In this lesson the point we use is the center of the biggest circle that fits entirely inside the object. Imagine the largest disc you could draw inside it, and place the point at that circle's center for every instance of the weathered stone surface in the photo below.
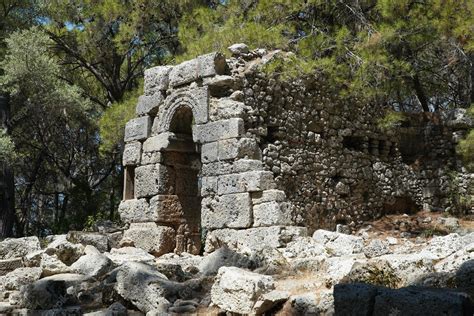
(149, 105)
(170, 142)
(253, 238)
(135, 211)
(245, 182)
(47, 292)
(271, 214)
(151, 237)
(146, 288)
(129, 254)
(208, 186)
(376, 248)
(223, 257)
(184, 73)
(233, 148)
(231, 210)
(174, 208)
(19, 277)
(18, 247)
(8, 265)
(227, 167)
(269, 300)
(93, 263)
(212, 64)
(223, 129)
(226, 108)
(268, 196)
(51, 265)
(63, 249)
(154, 179)
(138, 129)
(100, 241)
(156, 79)
(339, 244)
(132, 154)
(236, 290)
(239, 48)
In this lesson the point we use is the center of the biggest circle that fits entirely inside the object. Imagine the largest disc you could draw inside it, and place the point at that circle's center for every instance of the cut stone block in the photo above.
(175, 209)
(212, 64)
(209, 152)
(168, 142)
(232, 210)
(245, 182)
(238, 148)
(218, 168)
(157, 79)
(149, 158)
(138, 129)
(270, 214)
(208, 186)
(132, 154)
(223, 129)
(154, 179)
(253, 238)
(236, 290)
(184, 73)
(149, 104)
(135, 211)
(268, 196)
(152, 238)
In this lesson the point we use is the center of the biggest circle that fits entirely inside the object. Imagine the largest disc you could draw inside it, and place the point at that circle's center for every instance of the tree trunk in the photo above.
(7, 184)
(420, 93)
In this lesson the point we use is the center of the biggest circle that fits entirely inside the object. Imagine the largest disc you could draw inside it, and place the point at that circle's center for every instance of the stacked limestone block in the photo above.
(205, 179)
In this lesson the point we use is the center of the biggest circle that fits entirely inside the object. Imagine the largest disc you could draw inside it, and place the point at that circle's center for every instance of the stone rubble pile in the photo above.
(324, 274)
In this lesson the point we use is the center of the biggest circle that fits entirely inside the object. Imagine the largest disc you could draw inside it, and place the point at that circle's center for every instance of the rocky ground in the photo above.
(397, 265)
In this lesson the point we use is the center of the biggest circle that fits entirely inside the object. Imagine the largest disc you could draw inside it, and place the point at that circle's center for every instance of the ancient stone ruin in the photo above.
(223, 153)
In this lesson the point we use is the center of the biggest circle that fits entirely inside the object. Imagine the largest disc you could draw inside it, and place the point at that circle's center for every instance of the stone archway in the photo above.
(182, 209)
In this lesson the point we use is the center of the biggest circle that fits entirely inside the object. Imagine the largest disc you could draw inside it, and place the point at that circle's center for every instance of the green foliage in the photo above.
(391, 120)
(7, 148)
(112, 123)
(405, 54)
(465, 147)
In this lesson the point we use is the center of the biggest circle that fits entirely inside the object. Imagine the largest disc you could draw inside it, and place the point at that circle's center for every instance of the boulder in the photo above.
(223, 257)
(237, 290)
(376, 248)
(50, 292)
(65, 250)
(238, 49)
(19, 277)
(253, 239)
(144, 286)
(52, 265)
(100, 241)
(18, 247)
(92, 264)
(338, 244)
(129, 254)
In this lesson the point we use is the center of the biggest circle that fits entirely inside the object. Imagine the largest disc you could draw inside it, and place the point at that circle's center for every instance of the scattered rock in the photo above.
(237, 290)
(52, 265)
(93, 264)
(376, 248)
(65, 250)
(339, 244)
(129, 254)
(238, 49)
(97, 240)
(11, 248)
(18, 277)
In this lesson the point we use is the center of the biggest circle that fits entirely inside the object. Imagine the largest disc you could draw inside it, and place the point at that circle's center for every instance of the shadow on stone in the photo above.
(454, 298)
